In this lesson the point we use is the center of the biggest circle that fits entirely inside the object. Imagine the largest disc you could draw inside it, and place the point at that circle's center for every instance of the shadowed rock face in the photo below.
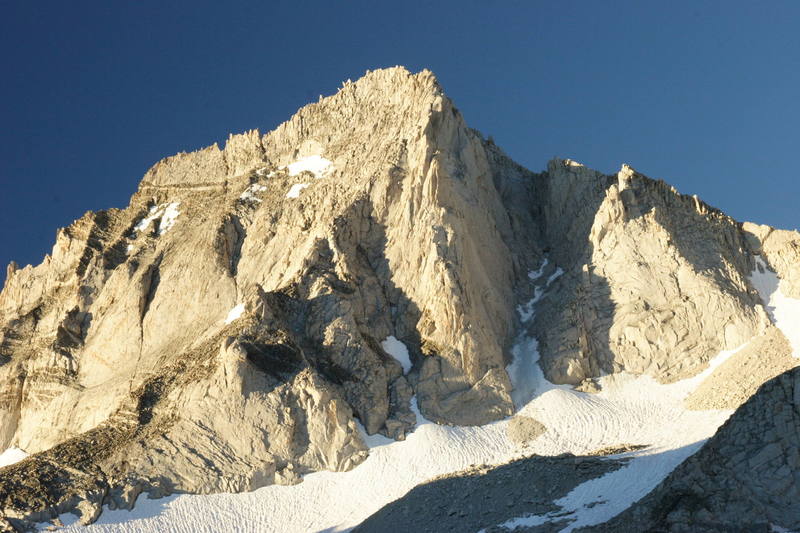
(410, 225)
(654, 282)
(480, 498)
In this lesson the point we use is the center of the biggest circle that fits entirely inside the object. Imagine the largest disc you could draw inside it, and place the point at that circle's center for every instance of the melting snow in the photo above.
(398, 350)
(234, 313)
(145, 222)
(317, 165)
(168, 219)
(11, 456)
(296, 189)
(249, 194)
(167, 213)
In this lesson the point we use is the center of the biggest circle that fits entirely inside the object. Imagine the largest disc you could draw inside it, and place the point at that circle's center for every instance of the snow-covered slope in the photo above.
(628, 410)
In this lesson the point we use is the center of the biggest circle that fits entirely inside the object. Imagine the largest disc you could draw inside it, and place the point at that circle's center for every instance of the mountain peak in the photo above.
(391, 98)
(260, 311)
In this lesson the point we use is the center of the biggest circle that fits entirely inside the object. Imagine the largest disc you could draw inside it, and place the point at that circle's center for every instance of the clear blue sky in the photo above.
(701, 94)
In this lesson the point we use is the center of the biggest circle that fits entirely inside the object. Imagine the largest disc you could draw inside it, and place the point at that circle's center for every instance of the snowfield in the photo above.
(629, 410)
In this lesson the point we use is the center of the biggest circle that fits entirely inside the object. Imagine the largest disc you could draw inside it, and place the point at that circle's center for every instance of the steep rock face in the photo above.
(746, 478)
(655, 282)
(225, 297)
(224, 330)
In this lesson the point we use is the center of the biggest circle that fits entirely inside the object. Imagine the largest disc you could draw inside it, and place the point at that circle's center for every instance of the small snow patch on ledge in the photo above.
(167, 213)
(234, 313)
(249, 194)
(317, 165)
(11, 456)
(398, 350)
(296, 189)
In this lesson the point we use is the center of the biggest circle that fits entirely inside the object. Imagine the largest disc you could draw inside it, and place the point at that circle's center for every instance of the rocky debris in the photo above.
(524, 429)
(745, 478)
(738, 378)
(617, 449)
(484, 496)
(63, 479)
(590, 386)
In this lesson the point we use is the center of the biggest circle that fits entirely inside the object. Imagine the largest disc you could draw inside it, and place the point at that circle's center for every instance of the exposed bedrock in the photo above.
(224, 330)
(655, 282)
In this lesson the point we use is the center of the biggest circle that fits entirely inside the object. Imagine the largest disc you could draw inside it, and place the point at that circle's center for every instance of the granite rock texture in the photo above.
(223, 331)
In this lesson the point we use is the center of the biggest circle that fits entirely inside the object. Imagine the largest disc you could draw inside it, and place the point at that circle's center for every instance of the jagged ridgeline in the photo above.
(231, 327)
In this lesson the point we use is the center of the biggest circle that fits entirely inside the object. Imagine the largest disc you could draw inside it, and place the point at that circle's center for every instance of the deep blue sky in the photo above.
(701, 94)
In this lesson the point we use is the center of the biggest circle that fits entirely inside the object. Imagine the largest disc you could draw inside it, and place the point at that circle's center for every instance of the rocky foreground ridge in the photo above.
(227, 330)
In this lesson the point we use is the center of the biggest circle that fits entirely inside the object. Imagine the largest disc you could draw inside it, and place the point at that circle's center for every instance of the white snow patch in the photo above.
(536, 274)
(637, 409)
(145, 222)
(234, 313)
(317, 165)
(249, 194)
(398, 350)
(169, 217)
(784, 311)
(11, 456)
(166, 213)
(129, 249)
(526, 311)
(296, 189)
(524, 370)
